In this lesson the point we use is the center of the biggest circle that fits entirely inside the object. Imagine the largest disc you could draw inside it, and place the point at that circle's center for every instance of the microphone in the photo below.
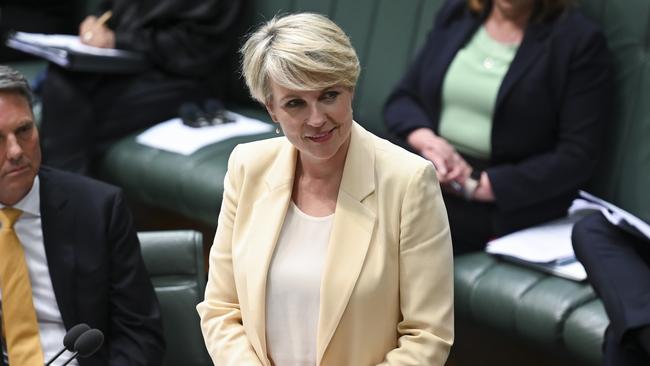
(215, 112)
(87, 344)
(69, 339)
(192, 115)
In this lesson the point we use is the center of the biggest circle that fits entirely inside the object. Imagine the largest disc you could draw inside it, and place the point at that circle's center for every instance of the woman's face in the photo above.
(316, 122)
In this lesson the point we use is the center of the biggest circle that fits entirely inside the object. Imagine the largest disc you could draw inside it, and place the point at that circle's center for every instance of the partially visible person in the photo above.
(618, 267)
(508, 99)
(332, 245)
(70, 254)
(186, 43)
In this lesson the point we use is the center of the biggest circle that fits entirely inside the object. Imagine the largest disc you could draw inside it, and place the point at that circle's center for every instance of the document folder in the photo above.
(68, 52)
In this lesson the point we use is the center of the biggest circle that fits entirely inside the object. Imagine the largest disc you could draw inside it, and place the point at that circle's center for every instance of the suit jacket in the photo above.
(550, 110)
(96, 268)
(386, 293)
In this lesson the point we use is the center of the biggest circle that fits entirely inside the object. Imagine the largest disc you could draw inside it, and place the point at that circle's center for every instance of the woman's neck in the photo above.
(507, 26)
(317, 182)
(516, 16)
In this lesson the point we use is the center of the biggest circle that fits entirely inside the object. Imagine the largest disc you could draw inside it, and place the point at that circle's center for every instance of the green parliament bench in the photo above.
(511, 307)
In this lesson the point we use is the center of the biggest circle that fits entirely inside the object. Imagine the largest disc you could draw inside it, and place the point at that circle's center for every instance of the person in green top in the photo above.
(508, 99)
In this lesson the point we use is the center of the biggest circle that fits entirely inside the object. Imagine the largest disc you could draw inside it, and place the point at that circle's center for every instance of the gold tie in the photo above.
(19, 322)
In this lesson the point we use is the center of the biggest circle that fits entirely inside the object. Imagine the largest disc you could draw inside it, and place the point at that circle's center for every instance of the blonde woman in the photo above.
(332, 246)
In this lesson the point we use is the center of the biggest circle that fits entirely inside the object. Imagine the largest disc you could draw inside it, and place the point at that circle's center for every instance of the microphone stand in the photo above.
(71, 358)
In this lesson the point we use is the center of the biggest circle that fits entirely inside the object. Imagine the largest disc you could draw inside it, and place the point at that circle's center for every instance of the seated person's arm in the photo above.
(187, 39)
(450, 166)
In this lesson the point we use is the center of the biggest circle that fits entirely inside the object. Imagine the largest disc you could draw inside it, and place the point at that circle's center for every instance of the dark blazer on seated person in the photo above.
(550, 111)
(97, 272)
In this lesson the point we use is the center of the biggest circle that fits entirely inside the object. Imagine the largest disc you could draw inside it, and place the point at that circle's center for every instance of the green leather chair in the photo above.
(174, 260)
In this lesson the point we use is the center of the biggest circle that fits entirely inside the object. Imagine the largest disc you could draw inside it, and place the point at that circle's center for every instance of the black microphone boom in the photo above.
(87, 344)
(69, 339)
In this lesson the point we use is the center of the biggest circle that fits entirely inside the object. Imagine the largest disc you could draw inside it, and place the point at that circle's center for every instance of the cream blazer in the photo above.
(386, 295)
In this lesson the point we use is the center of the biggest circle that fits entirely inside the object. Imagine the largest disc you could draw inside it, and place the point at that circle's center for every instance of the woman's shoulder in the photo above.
(572, 22)
(392, 159)
(257, 153)
(450, 10)
(578, 35)
(396, 169)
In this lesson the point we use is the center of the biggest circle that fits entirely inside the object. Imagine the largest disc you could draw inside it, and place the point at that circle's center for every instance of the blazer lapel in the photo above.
(266, 223)
(450, 40)
(350, 238)
(59, 249)
(529, 50)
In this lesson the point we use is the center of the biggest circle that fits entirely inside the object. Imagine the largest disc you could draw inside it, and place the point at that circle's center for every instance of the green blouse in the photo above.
(469, 93)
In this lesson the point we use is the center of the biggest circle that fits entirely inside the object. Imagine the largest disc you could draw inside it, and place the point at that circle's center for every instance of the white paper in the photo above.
(548, 246)
(544, 243)
(615, 215)
(176, 137)
(66, 41)
(572, 271)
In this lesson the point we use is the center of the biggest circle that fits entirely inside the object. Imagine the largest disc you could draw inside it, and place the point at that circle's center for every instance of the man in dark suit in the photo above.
(617, 262)
(80, 250)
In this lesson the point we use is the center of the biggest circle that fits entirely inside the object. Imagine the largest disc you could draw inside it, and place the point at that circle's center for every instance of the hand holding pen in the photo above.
(93, 31)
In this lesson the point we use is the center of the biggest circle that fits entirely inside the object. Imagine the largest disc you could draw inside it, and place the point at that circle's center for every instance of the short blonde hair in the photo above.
(303, 51)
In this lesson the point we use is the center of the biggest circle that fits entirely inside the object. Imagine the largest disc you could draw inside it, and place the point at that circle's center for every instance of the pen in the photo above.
(87, 36)
(103, 18)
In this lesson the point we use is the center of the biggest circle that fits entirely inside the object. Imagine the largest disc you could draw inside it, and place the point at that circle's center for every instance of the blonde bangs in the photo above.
(301, 52)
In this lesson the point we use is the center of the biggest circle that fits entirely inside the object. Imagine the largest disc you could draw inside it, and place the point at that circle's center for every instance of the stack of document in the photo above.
(174, 136)
(548, 247)
(69, 52)
(615, 215)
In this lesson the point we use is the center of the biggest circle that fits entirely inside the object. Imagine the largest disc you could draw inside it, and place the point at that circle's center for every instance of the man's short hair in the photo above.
(13, 81)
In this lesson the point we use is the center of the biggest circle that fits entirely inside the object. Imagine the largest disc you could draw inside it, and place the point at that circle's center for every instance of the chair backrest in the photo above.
(624, 175)
(174, 260)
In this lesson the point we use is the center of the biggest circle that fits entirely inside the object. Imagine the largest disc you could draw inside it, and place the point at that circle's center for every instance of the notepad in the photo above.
(69, 52)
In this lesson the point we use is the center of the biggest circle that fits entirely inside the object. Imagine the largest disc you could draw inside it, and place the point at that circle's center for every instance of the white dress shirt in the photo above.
(293, 288)
(30, 233)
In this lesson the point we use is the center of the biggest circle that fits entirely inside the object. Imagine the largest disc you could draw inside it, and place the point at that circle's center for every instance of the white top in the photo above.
(30, 233)
(293, 288)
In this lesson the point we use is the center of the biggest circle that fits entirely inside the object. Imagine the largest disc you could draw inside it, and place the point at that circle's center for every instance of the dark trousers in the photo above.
(618, 268)
(471, 223)
(84, 112)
